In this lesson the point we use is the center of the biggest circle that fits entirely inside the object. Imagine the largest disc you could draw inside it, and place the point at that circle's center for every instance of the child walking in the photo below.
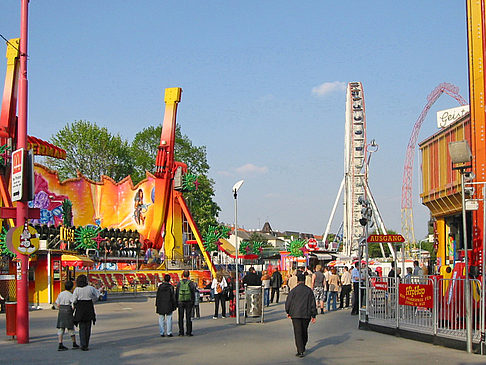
(65, 316)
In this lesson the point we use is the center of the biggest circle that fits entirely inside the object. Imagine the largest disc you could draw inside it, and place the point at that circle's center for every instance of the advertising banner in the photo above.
(416, 295)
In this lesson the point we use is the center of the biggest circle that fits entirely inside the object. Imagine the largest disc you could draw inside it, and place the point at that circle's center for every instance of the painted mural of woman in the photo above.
(139, 207)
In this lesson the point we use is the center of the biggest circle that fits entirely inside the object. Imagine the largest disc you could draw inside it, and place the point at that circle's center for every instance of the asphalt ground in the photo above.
(126, 332)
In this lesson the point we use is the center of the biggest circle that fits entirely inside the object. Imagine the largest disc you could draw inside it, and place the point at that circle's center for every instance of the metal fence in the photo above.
(445, 318)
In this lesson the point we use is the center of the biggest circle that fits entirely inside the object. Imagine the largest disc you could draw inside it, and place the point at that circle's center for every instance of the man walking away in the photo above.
(301, 308)
(165, 303)
(185, 295)
(346, 288)
(276, 283)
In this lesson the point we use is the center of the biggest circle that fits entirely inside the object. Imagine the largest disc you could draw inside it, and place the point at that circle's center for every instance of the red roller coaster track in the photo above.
(407, 206)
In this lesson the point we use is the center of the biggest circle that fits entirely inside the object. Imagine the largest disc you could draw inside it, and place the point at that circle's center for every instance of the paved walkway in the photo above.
(127, 333)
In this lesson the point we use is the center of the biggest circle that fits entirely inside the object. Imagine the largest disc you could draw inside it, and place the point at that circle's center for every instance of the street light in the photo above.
(461, 155)
(237, 187)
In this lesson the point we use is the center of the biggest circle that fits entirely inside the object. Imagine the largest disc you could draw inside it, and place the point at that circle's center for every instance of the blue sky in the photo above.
(263, 87)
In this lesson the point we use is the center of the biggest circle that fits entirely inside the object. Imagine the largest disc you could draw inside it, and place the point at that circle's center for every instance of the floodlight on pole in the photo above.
(460, 153)
(237, 187)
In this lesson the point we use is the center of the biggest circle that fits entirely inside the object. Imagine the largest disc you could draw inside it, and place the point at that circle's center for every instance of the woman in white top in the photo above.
(218, 285)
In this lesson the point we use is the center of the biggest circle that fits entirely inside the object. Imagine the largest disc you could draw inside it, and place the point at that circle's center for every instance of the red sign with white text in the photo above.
(416, 295)
(17, 174)
(380, 285)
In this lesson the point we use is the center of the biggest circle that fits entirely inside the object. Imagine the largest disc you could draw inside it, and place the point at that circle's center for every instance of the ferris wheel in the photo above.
(355, 180)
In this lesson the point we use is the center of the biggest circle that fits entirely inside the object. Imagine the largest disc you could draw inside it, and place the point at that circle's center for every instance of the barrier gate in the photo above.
(427, 305)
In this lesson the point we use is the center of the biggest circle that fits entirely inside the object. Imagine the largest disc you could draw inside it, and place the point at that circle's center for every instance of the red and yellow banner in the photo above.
(118, 279)
(416, 295)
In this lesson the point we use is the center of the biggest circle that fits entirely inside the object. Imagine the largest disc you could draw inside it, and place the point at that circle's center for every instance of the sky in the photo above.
(263, 88)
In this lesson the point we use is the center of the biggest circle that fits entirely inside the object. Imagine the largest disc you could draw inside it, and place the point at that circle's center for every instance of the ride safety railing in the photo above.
(428, 305)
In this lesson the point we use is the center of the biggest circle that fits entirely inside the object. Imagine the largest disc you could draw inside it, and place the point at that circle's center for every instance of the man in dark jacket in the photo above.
(276, 282)
(185, 295)
(301, 308)
(165, 304)
(251, 278)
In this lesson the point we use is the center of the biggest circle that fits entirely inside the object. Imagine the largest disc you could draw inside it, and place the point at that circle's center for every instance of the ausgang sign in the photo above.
(385, 238)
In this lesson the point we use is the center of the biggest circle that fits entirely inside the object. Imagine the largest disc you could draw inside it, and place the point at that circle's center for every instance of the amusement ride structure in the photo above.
(407, 201)
(357, 193)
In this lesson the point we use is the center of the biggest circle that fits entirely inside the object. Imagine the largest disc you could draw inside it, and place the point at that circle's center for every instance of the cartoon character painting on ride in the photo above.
(49, 203)
(108, 204)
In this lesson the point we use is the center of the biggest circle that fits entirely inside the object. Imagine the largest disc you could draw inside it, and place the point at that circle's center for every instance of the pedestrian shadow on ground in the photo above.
(333, 340)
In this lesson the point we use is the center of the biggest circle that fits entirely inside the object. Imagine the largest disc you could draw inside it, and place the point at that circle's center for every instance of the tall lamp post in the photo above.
(237, 187)
(461, 157)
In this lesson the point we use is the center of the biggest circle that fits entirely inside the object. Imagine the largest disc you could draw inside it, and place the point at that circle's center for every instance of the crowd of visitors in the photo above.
(309, 290)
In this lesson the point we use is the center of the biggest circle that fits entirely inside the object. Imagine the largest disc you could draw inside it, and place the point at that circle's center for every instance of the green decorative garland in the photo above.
(189, 182)
(84, 236)
(212, 236)
(296, 248)
(4, 251)
(4, 154)
(251, 247)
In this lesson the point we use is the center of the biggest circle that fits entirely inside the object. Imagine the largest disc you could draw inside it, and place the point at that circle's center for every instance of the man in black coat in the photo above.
(185, 302)
(165, 304)
(301, 308)
(252, 279)
(276, 282)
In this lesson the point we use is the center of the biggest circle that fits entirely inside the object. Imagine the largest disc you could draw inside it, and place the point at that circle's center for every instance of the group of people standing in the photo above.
(271, 284)
(185, 298)
(326, 285)
(182, 298)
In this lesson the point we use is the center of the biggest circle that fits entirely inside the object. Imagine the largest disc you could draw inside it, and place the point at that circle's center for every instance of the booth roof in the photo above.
(78, 261)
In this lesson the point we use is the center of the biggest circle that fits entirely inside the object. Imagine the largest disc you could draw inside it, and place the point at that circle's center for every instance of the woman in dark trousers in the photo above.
(83, 297)
(218, 285)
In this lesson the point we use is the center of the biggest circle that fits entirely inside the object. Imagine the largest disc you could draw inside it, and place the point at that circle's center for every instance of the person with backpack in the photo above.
(185, 295)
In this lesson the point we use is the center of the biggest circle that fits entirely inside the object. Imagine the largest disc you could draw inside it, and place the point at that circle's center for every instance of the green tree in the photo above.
(91, 150)
(144, 151)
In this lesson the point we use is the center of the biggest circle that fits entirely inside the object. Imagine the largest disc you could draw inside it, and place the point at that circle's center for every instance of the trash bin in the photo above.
(11, 318)
(253, 301)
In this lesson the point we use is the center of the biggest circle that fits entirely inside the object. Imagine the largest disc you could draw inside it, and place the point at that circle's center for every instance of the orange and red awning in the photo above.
(43, 148)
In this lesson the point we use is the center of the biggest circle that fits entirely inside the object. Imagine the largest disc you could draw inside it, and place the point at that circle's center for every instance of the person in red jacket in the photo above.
(301, 308)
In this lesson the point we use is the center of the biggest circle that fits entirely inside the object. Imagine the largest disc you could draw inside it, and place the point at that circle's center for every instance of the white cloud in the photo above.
(225, 173)
(328, 87)
(249, 168)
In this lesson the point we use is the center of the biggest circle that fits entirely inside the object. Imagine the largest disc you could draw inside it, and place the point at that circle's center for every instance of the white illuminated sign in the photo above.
(448, 116)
